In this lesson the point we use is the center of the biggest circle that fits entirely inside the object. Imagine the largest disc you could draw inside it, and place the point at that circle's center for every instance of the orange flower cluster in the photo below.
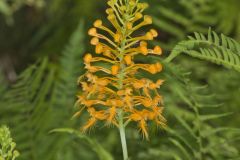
(109, 87)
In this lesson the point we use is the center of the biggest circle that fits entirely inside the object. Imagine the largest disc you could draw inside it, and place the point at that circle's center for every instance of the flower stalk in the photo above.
(123, 136)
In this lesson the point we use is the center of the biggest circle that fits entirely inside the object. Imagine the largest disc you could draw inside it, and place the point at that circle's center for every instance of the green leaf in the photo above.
(182, 139)
(213, 48)
(182, 148)
(210, 132)
(186, 126)
(214, 116)
(101, 152)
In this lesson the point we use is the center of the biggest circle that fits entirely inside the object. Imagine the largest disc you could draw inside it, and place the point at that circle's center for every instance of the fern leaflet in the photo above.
(214, 48)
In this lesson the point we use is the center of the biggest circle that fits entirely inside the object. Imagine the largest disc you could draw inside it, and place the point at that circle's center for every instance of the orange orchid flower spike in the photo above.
(111, 92)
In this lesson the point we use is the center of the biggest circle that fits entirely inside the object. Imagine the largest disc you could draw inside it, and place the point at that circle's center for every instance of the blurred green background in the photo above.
(52, 35)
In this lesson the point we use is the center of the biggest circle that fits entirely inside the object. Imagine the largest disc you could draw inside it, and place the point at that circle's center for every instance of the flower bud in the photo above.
(154, 32)
(148, 19)
(123, 8)
(110, 3)
(132, 3)
(138, 15)
(145, 5)
(129, 25)
(99, 48)
(111, 17)
(97, 23)
(16, 153)
(87, 58)
(92, 32)
(94, 41)
(109, 11)
(149, 36)
(157, 50)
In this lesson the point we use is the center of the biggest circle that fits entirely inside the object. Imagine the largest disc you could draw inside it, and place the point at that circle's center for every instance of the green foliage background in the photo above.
(41, 49)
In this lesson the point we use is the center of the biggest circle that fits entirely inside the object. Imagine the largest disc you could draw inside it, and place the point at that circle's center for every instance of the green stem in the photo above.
(120, 87)
(123, 137)
(170, 58)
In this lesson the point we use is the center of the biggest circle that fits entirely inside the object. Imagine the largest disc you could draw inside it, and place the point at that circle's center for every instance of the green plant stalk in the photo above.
(121, 123)
(123, 137)
(199, 156)
(121, 114)
(199, 139)
(170, 58)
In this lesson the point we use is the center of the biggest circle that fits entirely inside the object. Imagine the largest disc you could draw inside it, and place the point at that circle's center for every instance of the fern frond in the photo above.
(42, 100)
(22, 102)
(194, 16)
(176, 19)
(68, 72)
(214, 48)
(65, 88)
(195, 132)
(102, 153)
(193, 111)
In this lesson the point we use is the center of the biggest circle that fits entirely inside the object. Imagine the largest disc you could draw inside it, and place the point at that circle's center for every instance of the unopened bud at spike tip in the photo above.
(123, 8)
(132, 3)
